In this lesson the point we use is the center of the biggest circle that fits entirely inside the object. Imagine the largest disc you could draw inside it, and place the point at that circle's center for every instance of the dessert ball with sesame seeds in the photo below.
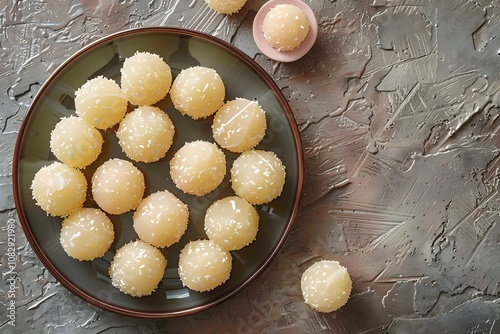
(198, 92)
(258, 176)
(232, 223)
(226, 6)
(326, 286)
(101, 102)
(285, 27)
(59, 189)
(146, 78)
(161, 219)
(87, 234)
(145, 134)
(204, 265)
(239, 125)
(137, 268)
(75, 142)
(198, 167)
(117, 186)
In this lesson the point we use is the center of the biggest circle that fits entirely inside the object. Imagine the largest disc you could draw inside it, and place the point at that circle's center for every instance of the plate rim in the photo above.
(21, 136)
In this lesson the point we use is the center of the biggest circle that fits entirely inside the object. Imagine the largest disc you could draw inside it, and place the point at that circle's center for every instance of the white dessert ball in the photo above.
(326, 286)
(87, 234)
(232, 223)
(117, 186)
(145, 134)
(161, 219)
(226, 6)
(258, 176)
(59, 189)
(239, 125)
(285, 27)
(198, 92)
(198, 167)
(204, 265)
(137, 268)
(75, 142)
(146, 78)
(101, 102)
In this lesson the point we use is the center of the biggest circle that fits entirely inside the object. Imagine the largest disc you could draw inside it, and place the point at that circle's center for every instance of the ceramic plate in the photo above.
(180, 49)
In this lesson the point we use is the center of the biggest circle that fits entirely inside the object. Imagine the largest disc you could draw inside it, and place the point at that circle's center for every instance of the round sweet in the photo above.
(239, 125)
(145, 134)
(137, 268)
(101, 102)
(161, 219)
(198, 167)
(198, 92)
(232, 223)
(204, 265)
(59, 189)
(117, 186)
(258, 176)
(326, 286)
(87, 234)
(226, 6)
(285, 27)
(75, 142)
(146, 78)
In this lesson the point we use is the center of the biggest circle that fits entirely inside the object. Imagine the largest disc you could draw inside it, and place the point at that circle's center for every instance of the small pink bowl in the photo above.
(284, 56)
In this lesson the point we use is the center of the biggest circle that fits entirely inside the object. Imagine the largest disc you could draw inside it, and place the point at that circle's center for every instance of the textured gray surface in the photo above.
(398, 106)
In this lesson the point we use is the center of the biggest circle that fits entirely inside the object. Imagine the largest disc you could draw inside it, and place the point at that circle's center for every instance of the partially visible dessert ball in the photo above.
(226, 6)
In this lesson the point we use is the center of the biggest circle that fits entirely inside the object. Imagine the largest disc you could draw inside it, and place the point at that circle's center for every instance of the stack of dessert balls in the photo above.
(145, 134)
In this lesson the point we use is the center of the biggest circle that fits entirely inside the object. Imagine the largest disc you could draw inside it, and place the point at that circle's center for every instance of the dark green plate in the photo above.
(180, 49)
